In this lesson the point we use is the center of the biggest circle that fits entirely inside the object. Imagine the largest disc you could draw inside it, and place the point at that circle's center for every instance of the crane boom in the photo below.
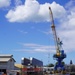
(59, 55)
(54, 32)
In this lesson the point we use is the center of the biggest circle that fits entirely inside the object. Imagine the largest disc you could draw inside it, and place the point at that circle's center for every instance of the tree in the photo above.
(50, 65)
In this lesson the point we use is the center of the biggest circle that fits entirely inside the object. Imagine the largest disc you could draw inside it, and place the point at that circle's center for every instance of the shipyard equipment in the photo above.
(60, 55)
(32, 66)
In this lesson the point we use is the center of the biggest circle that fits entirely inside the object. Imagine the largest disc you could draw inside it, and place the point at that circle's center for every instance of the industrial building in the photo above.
(36, 62)
(27, 66)
(31, 61)
(25, 61)
(6, 63)
(32, 66)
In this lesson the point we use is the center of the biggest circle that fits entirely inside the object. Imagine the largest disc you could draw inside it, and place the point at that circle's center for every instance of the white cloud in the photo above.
(48, 32)
(34, 48)
(33, 11)
(5, 3)
(66, 30)
(24, 32)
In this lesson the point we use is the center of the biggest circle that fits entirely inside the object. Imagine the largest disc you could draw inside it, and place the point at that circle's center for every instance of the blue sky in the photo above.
(25, 28)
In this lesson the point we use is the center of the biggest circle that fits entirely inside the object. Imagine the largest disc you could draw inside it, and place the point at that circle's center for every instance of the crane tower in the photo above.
(60, 55)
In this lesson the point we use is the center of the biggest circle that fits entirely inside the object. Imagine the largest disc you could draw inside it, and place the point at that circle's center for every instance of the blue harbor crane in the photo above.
(59, 55)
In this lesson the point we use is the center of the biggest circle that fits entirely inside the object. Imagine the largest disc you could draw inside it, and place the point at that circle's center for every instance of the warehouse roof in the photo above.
(6, 57)
(19, 65)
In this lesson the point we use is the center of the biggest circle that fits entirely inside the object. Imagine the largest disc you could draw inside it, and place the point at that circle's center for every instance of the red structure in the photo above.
(34, 67)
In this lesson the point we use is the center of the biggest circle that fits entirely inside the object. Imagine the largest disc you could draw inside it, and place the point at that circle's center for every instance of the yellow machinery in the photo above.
(60, 55)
